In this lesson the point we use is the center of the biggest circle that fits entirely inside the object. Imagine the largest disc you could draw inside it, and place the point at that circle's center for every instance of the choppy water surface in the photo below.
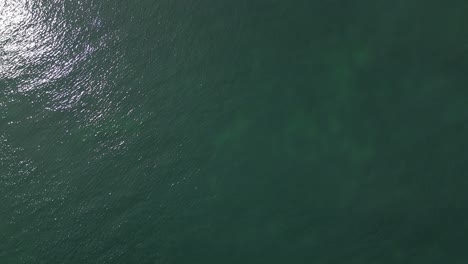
(233, 131)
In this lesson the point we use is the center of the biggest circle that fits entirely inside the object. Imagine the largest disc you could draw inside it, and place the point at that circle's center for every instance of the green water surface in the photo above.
(172, 132)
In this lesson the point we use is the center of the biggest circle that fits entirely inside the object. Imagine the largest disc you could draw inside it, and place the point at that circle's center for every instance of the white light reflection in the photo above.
(18, 35)
(44, 53)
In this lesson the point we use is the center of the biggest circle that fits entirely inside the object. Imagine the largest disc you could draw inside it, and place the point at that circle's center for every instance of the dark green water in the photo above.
(233, 131)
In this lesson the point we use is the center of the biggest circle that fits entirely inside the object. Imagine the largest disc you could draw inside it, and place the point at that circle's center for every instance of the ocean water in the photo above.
(157, 131)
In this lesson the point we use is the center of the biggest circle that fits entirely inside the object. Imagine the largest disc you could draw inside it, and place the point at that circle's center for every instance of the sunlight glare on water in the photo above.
(18, 33)
(43, 47)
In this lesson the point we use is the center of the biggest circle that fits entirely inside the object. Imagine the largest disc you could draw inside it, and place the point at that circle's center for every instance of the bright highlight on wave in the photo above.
(17, 37)
(28, 43)
(44, 50)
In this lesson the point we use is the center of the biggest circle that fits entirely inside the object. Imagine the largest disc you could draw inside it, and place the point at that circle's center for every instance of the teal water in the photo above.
(233, 131)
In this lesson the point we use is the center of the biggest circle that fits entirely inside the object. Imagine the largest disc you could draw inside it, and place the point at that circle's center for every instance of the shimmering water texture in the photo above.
(176, 132)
